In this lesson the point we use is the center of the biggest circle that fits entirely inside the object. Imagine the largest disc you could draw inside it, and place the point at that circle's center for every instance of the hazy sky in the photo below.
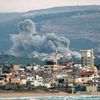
(25, 5)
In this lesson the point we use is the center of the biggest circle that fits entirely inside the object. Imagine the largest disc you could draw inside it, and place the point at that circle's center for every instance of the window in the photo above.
(82, 75)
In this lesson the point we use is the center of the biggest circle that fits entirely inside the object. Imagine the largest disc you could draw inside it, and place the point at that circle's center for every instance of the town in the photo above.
(69, 77)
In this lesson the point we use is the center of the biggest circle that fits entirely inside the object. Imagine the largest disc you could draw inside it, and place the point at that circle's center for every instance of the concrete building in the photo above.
(16, 67)
(92, 89)
(35, 81)
(96, 81)
(30, 78)
(2, 81)
(17, 80)
(50, 68)
(76, 69)
(87, 57)
(86, 77)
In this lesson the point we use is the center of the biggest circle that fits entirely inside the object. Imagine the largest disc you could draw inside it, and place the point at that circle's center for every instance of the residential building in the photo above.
(87, 58)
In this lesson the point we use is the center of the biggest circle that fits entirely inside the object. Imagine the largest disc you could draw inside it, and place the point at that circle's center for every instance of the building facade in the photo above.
(87, 57)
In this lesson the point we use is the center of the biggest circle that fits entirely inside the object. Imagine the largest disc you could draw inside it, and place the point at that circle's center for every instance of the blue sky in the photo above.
(26, 5)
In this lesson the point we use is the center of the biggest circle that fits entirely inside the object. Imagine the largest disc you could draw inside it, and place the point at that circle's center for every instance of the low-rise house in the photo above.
(2, 81)
(35, 81)
(47, 85)
(50, 68)
(21, 71)
(30, 78)
(7, 76)
(18, 81)
(69, 81)
(50, 83)
(15, 80)
(35, 67)
(92, 89)
(76, 70)
(96, 81)
(86, 77)
(15, 68)
(23, 81)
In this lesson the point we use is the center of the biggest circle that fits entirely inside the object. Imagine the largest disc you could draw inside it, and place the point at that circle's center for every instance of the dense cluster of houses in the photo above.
(52, 75)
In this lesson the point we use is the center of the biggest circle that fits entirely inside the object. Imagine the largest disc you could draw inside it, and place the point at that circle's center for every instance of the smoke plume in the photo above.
(28, 42)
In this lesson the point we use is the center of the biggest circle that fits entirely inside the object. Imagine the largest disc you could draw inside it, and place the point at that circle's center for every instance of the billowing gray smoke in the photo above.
(28, 42)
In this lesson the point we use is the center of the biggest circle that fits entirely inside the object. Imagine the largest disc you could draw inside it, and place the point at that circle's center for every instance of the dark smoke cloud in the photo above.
(28, 42)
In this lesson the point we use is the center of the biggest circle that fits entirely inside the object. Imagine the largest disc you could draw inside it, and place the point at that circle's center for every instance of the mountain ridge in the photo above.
(81, 24)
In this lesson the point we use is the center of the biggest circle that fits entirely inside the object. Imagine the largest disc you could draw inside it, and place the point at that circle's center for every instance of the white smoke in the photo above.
(28, 42)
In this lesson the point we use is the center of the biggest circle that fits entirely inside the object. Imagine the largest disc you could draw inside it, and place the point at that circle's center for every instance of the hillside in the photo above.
(10, 59)
(81, 24)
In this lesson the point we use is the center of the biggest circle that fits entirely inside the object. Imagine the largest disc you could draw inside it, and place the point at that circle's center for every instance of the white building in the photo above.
(35, 81)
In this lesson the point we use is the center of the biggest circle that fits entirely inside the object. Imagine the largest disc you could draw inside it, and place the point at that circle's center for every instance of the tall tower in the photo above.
(87, 57)
(55, 57)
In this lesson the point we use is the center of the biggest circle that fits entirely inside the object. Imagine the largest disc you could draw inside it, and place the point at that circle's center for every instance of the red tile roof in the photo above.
(86, 73)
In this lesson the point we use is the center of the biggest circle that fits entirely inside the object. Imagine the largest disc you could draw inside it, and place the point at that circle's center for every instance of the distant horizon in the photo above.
(24, 5)
(45, 8)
